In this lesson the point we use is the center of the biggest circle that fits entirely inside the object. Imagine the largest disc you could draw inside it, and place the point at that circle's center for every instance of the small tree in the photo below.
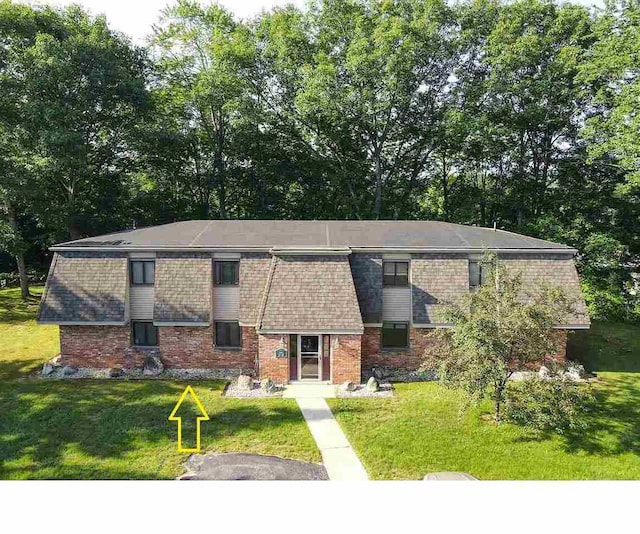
(498, 329)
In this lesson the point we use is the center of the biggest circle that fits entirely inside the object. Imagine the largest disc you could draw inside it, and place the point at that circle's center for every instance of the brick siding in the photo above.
(277, 369)
(180, 347)
(346, 353)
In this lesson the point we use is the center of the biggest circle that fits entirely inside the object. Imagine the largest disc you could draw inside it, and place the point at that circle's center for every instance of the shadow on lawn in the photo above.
(99, 420)
(13, 309)
(613, 427)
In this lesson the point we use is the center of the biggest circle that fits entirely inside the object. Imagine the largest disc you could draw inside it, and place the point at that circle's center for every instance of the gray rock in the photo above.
(244, 383)
(115, 372)
(544, 372)
(347, 386)
(153, 365)
(47, 369)
(267, 385)
(69, 370)
(575, 372)
(372, 385)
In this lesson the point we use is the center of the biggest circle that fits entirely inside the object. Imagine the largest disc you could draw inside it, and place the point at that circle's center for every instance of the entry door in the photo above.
(310, 355)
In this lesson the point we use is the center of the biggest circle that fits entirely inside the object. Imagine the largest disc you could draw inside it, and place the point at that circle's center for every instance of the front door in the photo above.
(310, 357)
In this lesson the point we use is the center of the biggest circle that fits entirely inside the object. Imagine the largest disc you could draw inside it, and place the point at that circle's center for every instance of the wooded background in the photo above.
(523, 114)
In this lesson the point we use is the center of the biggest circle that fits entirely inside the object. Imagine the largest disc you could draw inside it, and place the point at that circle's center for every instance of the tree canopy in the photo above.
(523, 114)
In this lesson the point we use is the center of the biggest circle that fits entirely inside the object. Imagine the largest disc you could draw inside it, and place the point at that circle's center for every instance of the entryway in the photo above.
(309, 357)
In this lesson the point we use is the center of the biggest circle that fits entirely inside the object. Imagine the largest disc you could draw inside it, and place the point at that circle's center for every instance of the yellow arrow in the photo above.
(188, 391)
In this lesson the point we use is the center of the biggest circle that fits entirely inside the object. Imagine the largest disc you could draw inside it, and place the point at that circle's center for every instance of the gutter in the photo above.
(319, 251)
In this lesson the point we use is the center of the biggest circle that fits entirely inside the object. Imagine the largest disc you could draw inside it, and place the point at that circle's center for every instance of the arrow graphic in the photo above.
(188, 391)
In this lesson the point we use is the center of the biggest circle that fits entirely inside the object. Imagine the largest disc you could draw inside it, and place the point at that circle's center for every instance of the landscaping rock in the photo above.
(244, 383)
(47, 369)
(544, 372)
(575, 372)
(267, 385)
(347, 386)
(380, 373)
(115, 372)
(373, 385)
(153, 365)
(68, 370)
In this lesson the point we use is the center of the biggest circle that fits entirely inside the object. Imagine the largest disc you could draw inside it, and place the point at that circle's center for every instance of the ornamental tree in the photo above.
(498, 329)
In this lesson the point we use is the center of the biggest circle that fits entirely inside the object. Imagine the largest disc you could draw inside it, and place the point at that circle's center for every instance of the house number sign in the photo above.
(281, 353)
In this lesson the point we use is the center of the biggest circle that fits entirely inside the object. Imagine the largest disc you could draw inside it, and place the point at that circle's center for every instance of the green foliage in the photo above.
(549, 405)
(498, 330)
(522, 114)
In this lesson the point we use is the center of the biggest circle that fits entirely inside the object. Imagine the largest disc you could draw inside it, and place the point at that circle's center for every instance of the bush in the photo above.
(554, 405)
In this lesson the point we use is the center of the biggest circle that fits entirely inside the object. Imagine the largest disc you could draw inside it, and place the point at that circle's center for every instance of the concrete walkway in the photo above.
(340, 460)
(309, 391)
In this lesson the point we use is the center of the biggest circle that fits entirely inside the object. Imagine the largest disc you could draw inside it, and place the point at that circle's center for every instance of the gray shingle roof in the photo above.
(85, 287)
(310, 293)
(241, 234)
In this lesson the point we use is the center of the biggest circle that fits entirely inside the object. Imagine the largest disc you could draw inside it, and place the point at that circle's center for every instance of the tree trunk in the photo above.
(377, 208)
(22, 267)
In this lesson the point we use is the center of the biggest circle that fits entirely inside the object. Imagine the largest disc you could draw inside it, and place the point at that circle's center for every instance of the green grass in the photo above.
(24, 345)
(100, 429)
(96, 429)
(421, 431)
(119, 429)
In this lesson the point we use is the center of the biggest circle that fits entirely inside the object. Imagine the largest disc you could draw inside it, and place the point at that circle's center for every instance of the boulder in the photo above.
(115, 372)
(372, 385)
(267, 385)
(47, 369)
(68, 370)
(380, 373)
(245, 383)
(347, 386)
(544, 372)
(575, 372)
(153, 365)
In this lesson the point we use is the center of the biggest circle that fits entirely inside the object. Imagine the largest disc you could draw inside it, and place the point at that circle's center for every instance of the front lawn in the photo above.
(420, 431)
(24, 345)
(96, 429)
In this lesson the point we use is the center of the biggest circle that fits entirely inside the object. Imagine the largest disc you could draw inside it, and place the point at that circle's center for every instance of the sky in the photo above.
(135, 17)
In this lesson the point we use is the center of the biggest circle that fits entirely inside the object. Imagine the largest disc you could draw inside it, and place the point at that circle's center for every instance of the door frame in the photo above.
(299, 377)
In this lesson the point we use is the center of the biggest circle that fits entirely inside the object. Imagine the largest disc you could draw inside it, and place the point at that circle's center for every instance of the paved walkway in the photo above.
(338, 457)
(309, 391)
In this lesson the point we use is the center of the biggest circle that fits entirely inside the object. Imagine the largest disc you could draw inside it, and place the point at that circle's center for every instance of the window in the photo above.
(145, 334)
(227, 334)
(478, 273)
(143, 273)
(226, 273)
(395, 335)
(395, 273)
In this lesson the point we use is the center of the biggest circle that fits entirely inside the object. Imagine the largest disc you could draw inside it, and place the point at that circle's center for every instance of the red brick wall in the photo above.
(192, 348)
(420, 339)
(277, 369)
(180, 347)
(97, 346)
(346, 351)
(409, 359)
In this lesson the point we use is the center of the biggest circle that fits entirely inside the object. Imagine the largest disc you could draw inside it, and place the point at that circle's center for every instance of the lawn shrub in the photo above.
(545, 406)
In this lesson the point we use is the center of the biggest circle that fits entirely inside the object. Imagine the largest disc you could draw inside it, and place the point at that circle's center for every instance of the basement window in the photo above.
(144, 334)
(227, 334)
(395, 335)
